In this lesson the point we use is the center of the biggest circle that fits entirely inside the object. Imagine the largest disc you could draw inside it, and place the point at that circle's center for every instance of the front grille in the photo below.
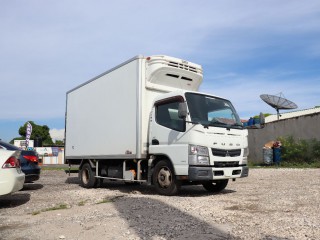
(226, 164)
(226, 153)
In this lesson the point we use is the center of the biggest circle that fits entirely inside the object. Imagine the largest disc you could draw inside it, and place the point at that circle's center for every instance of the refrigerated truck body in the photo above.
(144, 121)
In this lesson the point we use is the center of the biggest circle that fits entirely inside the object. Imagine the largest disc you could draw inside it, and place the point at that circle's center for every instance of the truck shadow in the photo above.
(186, 191)
(72, 180)
(154, 219)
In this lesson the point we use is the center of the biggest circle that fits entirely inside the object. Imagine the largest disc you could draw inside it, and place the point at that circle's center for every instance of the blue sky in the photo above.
(246, 48)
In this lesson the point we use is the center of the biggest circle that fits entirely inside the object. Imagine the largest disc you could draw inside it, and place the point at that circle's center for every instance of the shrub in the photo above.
(300, 151)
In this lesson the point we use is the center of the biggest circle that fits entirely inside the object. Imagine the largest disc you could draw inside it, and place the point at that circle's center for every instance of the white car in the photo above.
(11, 176)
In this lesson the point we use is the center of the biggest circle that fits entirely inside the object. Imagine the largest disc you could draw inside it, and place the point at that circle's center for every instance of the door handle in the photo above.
(155, 142)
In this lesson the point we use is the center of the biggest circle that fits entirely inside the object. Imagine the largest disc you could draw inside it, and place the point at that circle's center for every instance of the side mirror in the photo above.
(182, 110)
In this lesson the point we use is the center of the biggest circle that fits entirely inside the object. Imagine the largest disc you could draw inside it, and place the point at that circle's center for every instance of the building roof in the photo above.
(293, 114)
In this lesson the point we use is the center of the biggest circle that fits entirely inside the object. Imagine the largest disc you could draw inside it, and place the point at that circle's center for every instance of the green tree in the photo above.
(265, 115)
(59, 143)
(38, 131)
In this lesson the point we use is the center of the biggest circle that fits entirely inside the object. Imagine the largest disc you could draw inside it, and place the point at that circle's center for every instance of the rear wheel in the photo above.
(216, 186)
(164, 179)
(87, 176)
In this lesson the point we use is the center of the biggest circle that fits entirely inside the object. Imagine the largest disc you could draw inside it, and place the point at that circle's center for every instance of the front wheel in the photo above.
(216, 186)
(87, 176)
(164, 179)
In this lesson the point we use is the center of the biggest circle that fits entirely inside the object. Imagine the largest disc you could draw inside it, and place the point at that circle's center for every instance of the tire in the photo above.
(87, 176)
(164, 179)
(216, 186)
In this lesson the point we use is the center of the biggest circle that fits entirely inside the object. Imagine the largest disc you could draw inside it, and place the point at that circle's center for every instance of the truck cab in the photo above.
(203, 143)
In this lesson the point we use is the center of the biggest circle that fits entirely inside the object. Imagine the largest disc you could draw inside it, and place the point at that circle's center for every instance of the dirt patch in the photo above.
(269, 204)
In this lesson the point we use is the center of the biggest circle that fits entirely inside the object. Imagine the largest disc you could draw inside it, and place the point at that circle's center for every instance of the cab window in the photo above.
(167, 116)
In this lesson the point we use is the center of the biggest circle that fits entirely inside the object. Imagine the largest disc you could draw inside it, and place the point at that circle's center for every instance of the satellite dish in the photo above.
(278, 102)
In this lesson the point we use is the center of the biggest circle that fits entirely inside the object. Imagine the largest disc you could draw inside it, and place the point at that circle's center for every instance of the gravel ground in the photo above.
(269, 204)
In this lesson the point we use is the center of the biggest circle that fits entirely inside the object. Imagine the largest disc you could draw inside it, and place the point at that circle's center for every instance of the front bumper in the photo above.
(211, 173)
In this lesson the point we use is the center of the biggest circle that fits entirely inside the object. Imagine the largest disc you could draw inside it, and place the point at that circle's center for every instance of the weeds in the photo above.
(300, 152)
(82, 203)
(109, 200)
(296, 153)
(60, 206)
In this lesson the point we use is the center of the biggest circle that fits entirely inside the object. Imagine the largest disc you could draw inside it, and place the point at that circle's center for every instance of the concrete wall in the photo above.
(303, 127)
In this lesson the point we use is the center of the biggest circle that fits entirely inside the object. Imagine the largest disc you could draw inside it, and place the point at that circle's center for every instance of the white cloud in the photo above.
(48, 48)
(57, 134)
(244, 90)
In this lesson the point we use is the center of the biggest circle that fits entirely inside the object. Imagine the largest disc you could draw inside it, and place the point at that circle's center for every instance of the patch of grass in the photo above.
(109, 200)
(60, 206)
(82, 203)
(36, 212)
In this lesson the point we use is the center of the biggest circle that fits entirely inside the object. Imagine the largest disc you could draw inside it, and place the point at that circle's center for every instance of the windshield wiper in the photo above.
(226, 125)
(214, 123)
(237, 125)
(196, 123)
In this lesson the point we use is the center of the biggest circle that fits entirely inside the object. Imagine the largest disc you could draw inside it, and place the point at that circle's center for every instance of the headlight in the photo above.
(198, 150)
(245, 152)
(198, 155)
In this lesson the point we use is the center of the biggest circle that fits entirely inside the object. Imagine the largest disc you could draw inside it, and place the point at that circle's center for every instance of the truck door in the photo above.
(166, 134)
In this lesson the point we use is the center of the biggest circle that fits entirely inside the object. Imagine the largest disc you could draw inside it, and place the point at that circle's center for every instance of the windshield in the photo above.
(212, 111)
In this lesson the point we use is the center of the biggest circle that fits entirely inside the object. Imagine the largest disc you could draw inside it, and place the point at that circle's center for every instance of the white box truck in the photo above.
(144, 121)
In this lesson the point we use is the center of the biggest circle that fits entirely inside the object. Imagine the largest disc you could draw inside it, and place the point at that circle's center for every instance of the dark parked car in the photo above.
(28, 160)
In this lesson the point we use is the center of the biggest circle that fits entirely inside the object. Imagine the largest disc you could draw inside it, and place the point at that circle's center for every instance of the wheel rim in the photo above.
(85, 176)
(164, 177)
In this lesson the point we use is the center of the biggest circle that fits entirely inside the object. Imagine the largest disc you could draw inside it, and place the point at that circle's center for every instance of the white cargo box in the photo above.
(107, 117)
